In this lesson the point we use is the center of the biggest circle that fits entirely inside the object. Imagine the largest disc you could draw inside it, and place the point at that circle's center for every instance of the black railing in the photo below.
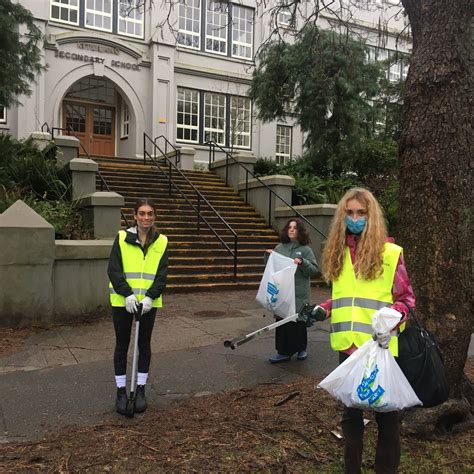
(70, 132)
(228, 156)
(162, 155)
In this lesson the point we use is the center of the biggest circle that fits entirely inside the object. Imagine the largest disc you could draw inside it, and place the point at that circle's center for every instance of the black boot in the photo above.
(121, 402)
(140, 399)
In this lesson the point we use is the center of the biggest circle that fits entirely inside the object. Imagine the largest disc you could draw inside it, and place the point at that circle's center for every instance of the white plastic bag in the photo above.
(277, 288)
(371, 378)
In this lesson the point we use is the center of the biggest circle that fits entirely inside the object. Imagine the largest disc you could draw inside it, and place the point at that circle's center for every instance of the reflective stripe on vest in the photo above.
(355, 300)
(139, 270)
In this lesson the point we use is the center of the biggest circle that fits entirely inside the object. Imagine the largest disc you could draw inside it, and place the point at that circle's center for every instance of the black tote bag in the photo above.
(420, 359)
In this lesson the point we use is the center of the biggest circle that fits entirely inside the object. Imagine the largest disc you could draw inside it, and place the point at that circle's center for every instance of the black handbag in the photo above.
(421, 361)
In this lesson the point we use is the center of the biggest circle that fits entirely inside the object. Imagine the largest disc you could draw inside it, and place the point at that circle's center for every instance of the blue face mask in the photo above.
(356, 227)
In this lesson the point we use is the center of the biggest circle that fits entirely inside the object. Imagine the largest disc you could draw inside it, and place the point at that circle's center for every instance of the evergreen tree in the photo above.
(20, 54)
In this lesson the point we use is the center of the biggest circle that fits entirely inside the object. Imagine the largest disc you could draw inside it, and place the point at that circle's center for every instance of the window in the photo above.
(189, 33)
(216, 27)
(240, 119)
(76, 118)
(65, 11)
(94, 89)
(204, 116)
(283, 144)
(242, 32)
(125, 121)
(98, 14)
(3, 114)
(187, 115)
(130, 19)
(284, 17)
(214, 117)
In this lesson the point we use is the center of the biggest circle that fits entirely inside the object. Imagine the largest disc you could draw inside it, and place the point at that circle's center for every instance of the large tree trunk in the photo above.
(435, 175)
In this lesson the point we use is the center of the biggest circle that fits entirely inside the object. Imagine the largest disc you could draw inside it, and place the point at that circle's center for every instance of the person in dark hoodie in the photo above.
(137, 270)
(291, 338)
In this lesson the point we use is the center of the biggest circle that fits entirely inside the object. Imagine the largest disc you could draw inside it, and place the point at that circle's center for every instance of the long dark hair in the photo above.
(151, 234)
(303, 234)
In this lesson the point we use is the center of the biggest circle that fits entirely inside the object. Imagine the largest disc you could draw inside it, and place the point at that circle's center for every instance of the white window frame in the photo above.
(183, 125)
(243, 138)
(195, 9)
(218, 22)
(282, 157)
(284, 16)
(3, 114)
(216, 103)
(101, 13)
(137, 8)
(124, 120)
(67, 6)
(236, 21)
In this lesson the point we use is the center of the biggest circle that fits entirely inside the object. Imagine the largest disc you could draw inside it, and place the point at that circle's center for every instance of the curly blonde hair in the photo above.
(368, 264)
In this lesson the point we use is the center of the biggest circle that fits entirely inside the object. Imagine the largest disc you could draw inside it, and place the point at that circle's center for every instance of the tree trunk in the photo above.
(435, 175)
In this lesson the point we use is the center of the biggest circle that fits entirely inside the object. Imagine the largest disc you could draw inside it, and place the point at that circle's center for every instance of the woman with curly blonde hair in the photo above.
(368, 274)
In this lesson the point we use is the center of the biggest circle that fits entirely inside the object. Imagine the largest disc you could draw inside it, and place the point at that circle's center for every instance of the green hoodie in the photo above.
(304, 272)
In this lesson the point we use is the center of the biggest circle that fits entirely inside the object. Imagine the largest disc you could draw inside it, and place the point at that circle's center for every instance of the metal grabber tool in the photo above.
(309, 314)
(133, 382)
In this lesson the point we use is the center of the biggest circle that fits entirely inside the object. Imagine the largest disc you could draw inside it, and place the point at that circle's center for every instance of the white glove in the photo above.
(146, 304)
(383, 338)
(131, 304)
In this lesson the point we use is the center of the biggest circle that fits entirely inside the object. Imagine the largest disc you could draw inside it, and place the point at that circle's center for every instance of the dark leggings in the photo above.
(123, 330)
(387, 456)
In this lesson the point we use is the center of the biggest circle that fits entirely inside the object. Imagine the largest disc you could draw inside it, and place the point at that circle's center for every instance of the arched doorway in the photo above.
(90, 108)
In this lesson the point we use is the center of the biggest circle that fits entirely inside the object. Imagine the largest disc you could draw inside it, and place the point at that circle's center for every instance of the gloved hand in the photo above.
(131, 304)
(146, 304)
(311, 313)
(383, 339)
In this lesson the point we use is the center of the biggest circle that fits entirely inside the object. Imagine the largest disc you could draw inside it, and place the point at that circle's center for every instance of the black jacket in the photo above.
(115, 268)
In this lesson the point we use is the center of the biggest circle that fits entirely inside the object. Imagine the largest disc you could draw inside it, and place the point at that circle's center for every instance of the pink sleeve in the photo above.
(327, 305)
(402, 291)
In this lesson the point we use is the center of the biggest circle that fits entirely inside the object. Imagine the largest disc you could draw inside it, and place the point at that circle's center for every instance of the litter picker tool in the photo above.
(133, 382)
(308, 314)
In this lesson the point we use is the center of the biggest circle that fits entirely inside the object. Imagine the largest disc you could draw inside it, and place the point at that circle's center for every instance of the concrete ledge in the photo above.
(66, 140)
(274, 180)
(82, 249)
(244, 158)
(101, 198)
(308, 210)
(83, 164)
(40, 136)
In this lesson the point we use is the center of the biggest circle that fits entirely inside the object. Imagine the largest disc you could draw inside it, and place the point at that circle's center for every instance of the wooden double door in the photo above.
(93, 124)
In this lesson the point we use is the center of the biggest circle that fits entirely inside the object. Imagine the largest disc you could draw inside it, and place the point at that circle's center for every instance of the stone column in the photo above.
(26, 267)
(68, 148)
(83, 176)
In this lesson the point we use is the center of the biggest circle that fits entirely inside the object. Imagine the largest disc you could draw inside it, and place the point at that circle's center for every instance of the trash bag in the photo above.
(371, 378)
(277, 288)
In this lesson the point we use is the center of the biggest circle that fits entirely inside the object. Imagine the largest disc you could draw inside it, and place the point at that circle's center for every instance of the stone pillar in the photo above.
(186, 161)
(320, 215)
(101, 213)
(236, 168)
(41, 139)
(257, 194)
(83, 176)
(26, 266)
(68, 148)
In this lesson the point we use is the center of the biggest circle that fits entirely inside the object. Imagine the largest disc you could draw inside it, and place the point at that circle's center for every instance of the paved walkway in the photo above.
(64, 376)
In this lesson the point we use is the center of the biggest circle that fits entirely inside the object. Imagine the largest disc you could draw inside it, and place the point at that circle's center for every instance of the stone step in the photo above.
(134, 178)
(221, 269)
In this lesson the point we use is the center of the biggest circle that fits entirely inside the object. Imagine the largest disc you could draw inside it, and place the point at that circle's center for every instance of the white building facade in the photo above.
(119, 68)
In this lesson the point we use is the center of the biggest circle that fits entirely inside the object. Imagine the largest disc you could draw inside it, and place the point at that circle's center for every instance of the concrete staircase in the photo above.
(198, 262)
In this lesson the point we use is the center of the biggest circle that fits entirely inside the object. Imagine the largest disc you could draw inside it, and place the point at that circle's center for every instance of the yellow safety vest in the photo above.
(355, 300)
(139, 270)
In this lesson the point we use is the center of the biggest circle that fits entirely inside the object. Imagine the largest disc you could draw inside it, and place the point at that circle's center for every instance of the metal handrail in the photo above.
(71, 131)
(212, 153)
(200, 197)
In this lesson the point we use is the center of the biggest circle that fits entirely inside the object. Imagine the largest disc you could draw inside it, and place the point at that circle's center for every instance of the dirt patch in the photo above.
(209, 314)
(269, 428)
(12, 339)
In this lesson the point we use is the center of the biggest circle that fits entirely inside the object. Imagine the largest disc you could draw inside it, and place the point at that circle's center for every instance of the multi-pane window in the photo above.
(284, 17)
(214, 117)
(242, 32)
(396, 70)
(76, 118)
(65, 11)
(189, 14)
(94, 89)
(98, 14)
(3, 114)
(216, 27)
(283, 144)
(240, 121)
(187, 118)
(102, 121)
(130, 18)
(125, 121)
